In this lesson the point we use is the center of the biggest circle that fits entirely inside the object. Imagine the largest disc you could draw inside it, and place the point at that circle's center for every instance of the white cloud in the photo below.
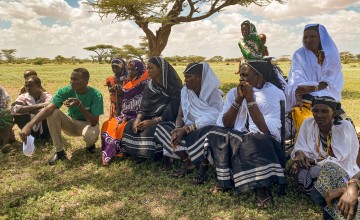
(303, 8)
(76, 28)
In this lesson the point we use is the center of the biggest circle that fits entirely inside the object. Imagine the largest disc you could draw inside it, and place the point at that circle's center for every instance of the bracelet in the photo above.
(316, 88)
(158, 119)
(251, 104)
(191, 128)
(354, 181)
(235, 106)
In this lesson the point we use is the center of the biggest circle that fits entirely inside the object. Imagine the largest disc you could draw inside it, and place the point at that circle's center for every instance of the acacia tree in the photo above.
(135, 52)
(101, 50)
(166, 13)
(9, 54)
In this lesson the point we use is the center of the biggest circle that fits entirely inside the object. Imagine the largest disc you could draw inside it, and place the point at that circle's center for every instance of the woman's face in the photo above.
(245, 30)
(154, 71)
(191, 81)
(249, 75)
(311, 40)
(117, 69)
(323, 114)
(131, 71)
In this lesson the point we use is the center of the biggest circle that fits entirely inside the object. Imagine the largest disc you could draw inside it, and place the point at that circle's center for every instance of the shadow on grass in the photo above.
(128, 188)
(350, 94)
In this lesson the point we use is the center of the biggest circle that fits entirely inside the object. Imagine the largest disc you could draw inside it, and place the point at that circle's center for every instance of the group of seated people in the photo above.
(153, 115)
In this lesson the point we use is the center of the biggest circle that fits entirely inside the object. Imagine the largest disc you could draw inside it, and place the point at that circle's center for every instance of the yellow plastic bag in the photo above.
(299, 116)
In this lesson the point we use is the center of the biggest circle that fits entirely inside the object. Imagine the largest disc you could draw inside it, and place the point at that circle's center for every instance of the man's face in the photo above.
(77, 82)
(31, 87)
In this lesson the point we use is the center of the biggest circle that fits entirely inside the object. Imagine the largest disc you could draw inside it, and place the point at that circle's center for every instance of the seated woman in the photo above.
(250, 157)
(160, 102)
(250, 45)
(325, 155)
(6, 121)
(315, 71)
(28, 104)
(201, 103)
(112, 130)
(114, 84)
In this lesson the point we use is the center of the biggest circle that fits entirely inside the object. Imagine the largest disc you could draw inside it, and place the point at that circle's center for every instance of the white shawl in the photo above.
(344, 143)
(305, 70)
(268, 101)
(203, 110)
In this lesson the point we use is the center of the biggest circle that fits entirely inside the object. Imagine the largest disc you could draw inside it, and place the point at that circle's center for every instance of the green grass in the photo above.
(129, 189)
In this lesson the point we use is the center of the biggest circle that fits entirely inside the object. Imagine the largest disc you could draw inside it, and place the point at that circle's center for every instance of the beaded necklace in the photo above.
(320, 56)
(326, 145)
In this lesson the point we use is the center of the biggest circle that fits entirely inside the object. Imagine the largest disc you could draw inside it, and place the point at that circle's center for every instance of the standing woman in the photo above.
(250, 45)
(250, 157)
(201, 103)
(112, 130)
(315, 71)
(114, 84)
(160, 102)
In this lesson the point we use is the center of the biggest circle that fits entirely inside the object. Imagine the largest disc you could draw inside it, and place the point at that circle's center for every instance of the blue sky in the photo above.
(47, 28)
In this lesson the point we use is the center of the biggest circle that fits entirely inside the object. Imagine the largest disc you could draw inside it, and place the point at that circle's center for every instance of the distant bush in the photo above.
(38, 62)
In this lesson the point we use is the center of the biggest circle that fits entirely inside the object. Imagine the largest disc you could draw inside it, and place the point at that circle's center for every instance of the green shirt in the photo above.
(92, 101)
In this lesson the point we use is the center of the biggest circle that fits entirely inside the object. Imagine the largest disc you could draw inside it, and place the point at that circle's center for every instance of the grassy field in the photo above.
(129, 189)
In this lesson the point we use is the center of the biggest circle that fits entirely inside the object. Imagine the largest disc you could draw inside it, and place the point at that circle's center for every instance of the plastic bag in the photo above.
(29, 147)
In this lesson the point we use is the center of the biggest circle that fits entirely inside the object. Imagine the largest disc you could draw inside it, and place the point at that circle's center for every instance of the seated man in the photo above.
(85, 105)
(28, 104)
(28, 73)
(6, 121)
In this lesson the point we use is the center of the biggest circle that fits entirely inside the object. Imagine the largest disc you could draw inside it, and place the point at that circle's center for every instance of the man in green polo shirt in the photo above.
(85, 105)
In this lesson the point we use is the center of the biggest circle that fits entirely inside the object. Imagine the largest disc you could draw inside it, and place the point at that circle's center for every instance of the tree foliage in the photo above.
(165, 13)
(9, 54)
(102, 51)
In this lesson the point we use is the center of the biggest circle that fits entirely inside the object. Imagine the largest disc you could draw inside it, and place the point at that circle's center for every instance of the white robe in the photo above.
(204, 109)
(305, 70)
(267, 99)
(344, 143)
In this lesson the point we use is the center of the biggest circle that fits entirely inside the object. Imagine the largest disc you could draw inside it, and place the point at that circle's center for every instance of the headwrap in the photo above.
(139, 67)
(269, 72)
(122, 64)
(306, 71)
(251, 46)
(164, 98)
(194, 69)
(203, 109)
(331, 102)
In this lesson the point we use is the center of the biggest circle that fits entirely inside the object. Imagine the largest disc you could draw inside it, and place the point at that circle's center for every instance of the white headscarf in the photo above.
(203, 110)
(305, 70)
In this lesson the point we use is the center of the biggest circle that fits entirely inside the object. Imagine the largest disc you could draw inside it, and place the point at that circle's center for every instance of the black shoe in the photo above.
(91, 149)
(58, 156)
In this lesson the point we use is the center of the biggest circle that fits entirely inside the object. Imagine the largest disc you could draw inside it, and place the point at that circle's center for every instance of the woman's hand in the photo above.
(303, 90)
(247, 90)
(176, 136)
(347, 205)
(302, 161)
(333, 194)
(240, 94)
(146, 124)
(136, 123)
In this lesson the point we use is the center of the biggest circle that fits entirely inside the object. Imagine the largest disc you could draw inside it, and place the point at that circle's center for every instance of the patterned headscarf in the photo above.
(251, 46)
(122, 64)
(331, 102)
(139, 67)
(194, 69)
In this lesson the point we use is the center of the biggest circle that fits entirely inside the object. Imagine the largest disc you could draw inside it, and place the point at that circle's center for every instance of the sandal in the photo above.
(202, 174)
(183, 171)
(104, 162)
(264, 203)
(215, 189)
(264, 199)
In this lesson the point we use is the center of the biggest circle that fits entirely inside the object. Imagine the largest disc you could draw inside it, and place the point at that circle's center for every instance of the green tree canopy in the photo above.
(166, 13)
(9, 54)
